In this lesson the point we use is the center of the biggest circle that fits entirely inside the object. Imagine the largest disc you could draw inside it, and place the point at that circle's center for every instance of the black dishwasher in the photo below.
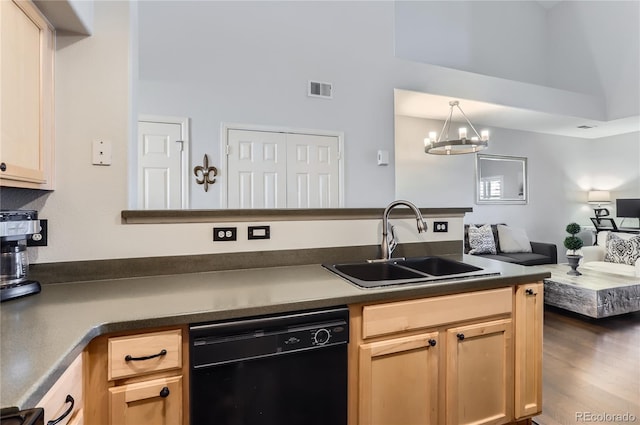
(287, 369)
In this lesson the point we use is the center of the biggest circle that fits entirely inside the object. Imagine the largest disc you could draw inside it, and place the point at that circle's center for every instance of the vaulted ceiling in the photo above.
(568, 48)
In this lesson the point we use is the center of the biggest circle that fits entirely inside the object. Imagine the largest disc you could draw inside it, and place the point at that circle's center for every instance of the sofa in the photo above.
(539, 252)
(596, 258)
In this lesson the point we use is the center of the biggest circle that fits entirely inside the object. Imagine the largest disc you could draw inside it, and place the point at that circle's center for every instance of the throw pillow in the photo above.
(513, 239)
(481, 240)
(622, 251)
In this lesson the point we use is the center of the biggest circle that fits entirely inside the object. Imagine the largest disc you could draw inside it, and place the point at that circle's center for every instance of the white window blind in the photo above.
(491, 187)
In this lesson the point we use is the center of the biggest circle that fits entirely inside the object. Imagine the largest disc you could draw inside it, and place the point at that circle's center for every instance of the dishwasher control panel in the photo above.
(317, 335)
(227, 342)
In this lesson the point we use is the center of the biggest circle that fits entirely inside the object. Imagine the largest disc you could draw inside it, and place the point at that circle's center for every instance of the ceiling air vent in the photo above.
(320, 89)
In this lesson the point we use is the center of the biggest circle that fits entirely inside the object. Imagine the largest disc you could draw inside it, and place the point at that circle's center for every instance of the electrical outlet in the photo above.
(440, 226)
(259, 232)
(224, 234)
(40, 238)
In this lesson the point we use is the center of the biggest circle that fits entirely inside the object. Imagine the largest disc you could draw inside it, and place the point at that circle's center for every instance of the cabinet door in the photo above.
(64, 401)
(399, 381)
(155, 402)
(26, 111)
(528, 349)
(479, 382)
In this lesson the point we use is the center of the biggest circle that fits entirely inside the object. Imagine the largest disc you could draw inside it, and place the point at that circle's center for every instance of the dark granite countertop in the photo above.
(42, 334)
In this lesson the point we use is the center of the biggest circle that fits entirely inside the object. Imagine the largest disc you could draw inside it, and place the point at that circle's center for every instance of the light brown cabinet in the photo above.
(466, 358)
(387, 368)
(448, 359)
(153, 402)
(137, 355)
(479, 373)
(26, 87)
(138, 379)
(529, 316)
(65, 399)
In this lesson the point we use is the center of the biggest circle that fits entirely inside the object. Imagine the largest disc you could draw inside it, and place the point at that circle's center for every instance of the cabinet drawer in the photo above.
(154, 402)
(402, 316)
(146, 353)
(67, 391)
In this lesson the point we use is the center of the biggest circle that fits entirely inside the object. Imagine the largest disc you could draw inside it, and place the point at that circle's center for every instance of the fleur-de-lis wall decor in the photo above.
(204, 174)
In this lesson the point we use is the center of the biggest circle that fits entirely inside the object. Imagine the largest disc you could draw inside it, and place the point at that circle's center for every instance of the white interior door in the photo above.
(160, 166)
(313, 171)
(256, 169)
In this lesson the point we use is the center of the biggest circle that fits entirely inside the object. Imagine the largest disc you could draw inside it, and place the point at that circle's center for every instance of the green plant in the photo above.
(573, 243)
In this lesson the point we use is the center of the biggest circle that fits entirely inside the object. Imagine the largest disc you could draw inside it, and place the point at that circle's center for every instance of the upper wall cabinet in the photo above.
(26, 93)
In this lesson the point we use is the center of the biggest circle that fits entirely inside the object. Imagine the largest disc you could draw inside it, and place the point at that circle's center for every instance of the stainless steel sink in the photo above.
(406, 271)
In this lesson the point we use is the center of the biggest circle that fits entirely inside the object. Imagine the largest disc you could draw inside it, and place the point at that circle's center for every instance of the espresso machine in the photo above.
(15, 227)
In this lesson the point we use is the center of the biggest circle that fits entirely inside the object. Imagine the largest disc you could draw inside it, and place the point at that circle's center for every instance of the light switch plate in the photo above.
(258, 232)
(101, 152)
(383, 157)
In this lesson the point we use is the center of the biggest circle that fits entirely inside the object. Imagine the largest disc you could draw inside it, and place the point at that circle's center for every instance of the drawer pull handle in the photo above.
(164, 392)
(432, 342)
(69, 399)
(3, 167)
(129, 358)
(460, 336)
(530, 292)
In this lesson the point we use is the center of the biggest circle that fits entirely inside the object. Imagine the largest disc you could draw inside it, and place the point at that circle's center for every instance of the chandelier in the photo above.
(462, 144)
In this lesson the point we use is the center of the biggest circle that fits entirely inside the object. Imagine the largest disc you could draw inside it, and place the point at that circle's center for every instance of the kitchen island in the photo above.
(43, 334)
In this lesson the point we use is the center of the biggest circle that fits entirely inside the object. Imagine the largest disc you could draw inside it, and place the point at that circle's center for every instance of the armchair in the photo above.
(593, 257)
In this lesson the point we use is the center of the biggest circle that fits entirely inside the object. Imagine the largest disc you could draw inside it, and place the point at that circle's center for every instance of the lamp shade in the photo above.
(599, 197)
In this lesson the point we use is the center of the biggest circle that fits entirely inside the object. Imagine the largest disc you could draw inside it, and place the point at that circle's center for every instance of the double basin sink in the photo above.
(406, 271)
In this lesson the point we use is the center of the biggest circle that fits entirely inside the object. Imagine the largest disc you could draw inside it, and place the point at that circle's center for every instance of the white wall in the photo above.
(246, 62)
(581, 46)
(249, 62)
(92, 101)
(560, 169)
(94, 82)
(504, 39)
(595, 50)
(94, 86)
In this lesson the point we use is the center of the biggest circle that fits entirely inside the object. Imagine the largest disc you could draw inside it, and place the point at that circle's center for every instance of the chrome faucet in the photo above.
(389, 243)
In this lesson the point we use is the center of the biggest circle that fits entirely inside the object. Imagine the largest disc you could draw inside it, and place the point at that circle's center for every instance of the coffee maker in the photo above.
(15, 227)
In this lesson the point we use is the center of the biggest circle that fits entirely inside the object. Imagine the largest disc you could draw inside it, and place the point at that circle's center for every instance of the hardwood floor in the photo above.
(590, 367)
